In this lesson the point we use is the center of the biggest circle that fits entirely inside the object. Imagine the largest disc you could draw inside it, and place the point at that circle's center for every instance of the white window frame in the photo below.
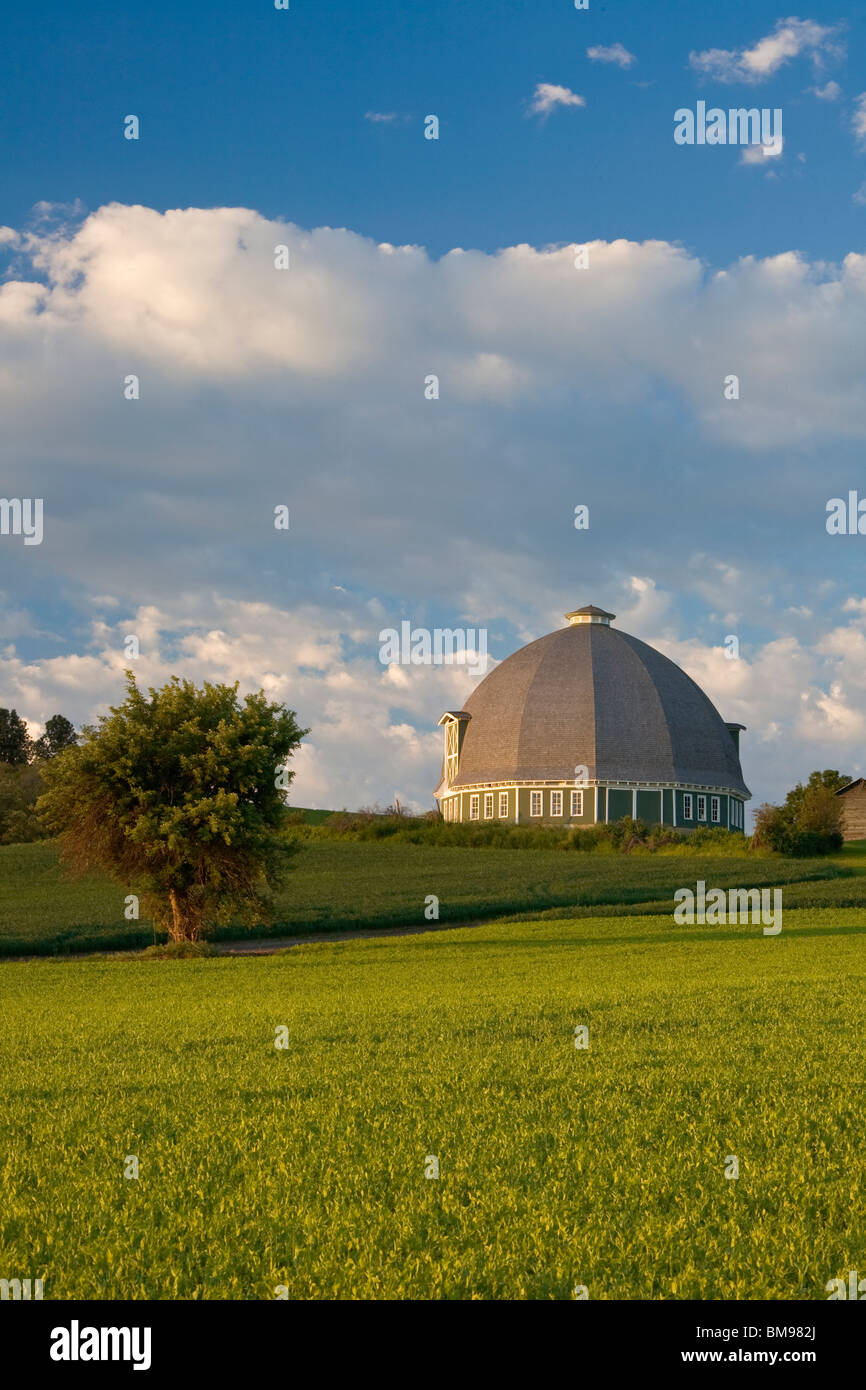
(577, 803)
(702, 809)
(716, 810)
(503, 805)
(688, 806)
(556, 803)
(533, 795)
(474, 806)
(488, 802)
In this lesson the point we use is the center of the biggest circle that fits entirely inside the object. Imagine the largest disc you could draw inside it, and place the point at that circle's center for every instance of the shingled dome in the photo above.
(592, 703)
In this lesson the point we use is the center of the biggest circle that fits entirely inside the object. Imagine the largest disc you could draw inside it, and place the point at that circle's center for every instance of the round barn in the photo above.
(589, 725)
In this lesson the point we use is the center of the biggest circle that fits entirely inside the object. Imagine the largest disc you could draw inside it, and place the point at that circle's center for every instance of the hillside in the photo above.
(338, 885)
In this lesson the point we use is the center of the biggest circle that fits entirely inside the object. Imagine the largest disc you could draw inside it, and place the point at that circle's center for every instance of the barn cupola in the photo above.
(590, 614)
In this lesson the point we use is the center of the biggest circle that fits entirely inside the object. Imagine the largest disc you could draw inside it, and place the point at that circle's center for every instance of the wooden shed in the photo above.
(854, 809)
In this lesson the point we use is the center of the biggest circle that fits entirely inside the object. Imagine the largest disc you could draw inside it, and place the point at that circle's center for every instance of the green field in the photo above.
(344, 884)
(305, 1168)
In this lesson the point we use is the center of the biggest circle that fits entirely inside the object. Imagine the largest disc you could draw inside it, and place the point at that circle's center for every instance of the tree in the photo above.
(19, 788)
(179, 795)
(15, 743)
(59, 734)
(809, 821)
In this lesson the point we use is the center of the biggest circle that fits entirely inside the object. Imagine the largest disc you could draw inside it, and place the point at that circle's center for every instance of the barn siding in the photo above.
(854, 813)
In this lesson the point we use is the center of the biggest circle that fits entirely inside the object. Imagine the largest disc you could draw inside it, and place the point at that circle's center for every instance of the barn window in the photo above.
(473, 806)
(715, 814)
(451, 751)
(535, 803)
(503, 805)
(687, 806)
(488, 805)
(702, 808)
(577, 803)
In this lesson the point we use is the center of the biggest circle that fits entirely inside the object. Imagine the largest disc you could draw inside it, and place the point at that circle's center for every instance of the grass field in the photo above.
(344, 884)
(304, 1168)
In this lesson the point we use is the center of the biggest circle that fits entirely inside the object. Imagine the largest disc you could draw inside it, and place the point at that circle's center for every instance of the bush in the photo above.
(808, 824)
(625, 836)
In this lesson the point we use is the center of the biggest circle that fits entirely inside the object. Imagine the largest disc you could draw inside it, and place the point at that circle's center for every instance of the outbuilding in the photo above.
(853, 809)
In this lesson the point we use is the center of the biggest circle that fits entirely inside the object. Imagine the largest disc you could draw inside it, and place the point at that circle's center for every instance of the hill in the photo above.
(342, 884)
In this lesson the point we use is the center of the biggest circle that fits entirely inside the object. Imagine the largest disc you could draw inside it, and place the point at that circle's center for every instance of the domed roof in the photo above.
(590, 695)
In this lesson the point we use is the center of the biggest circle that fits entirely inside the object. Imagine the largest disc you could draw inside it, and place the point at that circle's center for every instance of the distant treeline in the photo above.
(20, 782)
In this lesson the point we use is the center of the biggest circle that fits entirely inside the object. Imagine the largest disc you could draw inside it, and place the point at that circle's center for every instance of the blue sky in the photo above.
(242, 105)
(559, 386)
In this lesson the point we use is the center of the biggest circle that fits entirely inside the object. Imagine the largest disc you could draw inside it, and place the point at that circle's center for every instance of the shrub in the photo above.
(809, 822)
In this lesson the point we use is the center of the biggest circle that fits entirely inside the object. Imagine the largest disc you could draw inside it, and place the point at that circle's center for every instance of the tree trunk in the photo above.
(185, 925)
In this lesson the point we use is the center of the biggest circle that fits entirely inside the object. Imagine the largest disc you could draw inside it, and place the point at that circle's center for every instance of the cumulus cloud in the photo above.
(305, 387)
(831, 91)
(372, 727)
(758, 154)
(547, 96)
(613, 53)
(363, 742)
(858, 119)
(789, 39)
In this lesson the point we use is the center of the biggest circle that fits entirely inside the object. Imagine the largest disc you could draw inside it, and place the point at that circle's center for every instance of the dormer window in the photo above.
(455, 722)
(452, 752)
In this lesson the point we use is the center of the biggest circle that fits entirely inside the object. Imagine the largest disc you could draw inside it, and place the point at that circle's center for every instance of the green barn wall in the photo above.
(654, 806)
(649, 807)
(619, 803)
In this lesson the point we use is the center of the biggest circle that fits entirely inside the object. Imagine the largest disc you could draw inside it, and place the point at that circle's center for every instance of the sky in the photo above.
(605, 384)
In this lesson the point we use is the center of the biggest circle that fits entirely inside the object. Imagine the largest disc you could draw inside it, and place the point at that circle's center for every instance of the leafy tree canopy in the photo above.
(179, 795)
(16, 745)
(59, 734)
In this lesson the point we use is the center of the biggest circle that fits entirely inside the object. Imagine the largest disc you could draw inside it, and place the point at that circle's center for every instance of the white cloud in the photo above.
(360, 743)
(547, 96)
(383, 117)
(858, 119)
(789, 39)
(759, 154)
(306, 388)
(830, 92)
(192, 299)
(373, 727)
(614, 53)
